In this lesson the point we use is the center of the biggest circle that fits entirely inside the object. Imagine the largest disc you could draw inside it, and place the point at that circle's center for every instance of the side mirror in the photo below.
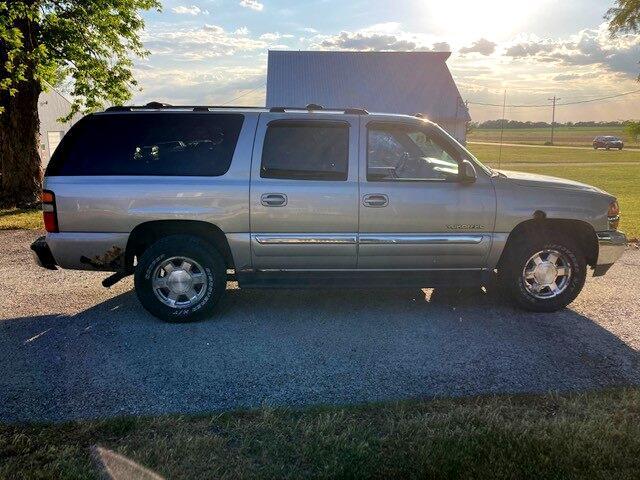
(468, 172)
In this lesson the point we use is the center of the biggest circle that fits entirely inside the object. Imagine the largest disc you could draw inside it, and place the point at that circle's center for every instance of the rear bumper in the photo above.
(42, 254)
(612, 245)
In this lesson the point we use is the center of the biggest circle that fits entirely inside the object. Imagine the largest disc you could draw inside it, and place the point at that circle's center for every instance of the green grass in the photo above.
(621, 180)
(573, 136)
(528, 154)
(590, 436)
(18, 218)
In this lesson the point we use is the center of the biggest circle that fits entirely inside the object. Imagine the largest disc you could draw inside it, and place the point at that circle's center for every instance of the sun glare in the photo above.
(466, 20)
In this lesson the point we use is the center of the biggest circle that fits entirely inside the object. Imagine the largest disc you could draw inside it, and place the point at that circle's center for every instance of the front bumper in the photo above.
(612, 245)
(42, 254)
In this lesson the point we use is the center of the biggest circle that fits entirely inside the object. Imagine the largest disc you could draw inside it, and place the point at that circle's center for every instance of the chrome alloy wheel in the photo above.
(546, 274)
(179, 282)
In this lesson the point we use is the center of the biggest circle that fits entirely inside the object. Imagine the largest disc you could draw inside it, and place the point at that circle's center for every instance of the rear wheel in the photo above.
(543, 274)
(180, 278)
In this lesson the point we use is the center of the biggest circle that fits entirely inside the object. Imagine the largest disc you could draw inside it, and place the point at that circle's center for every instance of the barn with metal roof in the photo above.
(390, 82)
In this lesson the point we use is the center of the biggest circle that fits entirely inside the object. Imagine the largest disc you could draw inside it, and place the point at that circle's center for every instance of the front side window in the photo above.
(402, 152)
(306, 151)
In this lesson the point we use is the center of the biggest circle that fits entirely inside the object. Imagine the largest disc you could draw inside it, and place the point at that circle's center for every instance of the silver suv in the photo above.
(187, 198)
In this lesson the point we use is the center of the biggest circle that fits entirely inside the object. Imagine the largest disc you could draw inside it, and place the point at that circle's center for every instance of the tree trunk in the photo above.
(20, 125)
(20, 162)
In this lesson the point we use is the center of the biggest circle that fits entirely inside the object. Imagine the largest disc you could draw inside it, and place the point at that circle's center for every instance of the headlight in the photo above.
(614, 215)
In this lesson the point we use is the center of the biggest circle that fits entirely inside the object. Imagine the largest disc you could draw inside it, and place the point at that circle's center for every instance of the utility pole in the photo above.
(504, 106)
(553, 115)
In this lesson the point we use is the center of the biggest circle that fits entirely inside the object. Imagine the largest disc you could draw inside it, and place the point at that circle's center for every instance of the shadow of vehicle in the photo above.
(299, 347)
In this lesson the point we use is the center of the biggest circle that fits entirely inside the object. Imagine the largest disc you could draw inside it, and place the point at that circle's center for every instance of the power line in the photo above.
(546, 105)
(243, 95)
(601, 98)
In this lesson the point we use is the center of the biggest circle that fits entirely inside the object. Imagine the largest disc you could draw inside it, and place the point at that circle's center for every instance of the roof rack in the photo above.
(312, 107)
(167, 106)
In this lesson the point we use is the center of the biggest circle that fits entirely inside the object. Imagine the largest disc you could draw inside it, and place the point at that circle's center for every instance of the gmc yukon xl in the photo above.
(186, 198)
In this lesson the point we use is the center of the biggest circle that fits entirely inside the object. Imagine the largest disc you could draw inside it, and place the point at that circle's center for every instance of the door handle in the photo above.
(273, 199)
(375, 200)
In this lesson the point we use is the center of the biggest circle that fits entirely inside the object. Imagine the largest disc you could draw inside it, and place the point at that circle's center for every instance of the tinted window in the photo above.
(398, 152)
(187, 144)
(306, 151)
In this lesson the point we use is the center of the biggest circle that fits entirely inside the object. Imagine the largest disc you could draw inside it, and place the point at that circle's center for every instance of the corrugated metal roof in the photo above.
(392, 82)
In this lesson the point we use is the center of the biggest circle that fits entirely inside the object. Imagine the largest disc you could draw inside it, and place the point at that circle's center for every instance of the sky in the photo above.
(215, 51)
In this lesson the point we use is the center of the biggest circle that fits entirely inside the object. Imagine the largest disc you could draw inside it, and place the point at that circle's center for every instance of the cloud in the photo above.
(242, 31)
(482, 46)
(200, 43)
(379, 37)
(441, 47)
(198, 87)
(252, 4)
(590, 47)
(273, 36)
(192, 10)
(565, 77)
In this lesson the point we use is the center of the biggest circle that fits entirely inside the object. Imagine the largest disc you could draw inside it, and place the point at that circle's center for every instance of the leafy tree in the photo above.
(624, 18)
(633, 130)
(88, 42)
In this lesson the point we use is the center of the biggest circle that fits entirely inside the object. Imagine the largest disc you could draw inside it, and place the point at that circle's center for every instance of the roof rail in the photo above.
(312, 107)
(166, 106)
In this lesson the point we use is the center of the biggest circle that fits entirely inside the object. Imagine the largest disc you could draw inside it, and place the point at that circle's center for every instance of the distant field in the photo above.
(571, 136)
(616, 172)
(528, 154)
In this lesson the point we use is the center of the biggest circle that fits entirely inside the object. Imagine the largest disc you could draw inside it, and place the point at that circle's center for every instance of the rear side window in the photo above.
(174, 144)
(306, 151)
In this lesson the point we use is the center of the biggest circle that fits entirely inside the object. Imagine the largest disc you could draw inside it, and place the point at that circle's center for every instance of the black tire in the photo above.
(510, 273)
(204, 254)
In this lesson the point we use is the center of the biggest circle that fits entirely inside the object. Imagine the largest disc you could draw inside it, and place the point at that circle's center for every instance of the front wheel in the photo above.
(180, 278)
(544, 274)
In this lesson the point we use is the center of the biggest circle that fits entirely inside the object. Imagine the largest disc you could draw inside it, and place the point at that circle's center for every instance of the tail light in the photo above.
(49, 211)
(613, 214)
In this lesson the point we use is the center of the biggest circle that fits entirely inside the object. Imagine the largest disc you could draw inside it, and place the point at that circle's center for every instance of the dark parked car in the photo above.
(608, 142)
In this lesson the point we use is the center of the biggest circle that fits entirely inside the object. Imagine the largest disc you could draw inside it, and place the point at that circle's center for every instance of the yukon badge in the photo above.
(465, 227)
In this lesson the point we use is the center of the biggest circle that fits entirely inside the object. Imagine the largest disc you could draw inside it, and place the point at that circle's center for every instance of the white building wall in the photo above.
(51, 107)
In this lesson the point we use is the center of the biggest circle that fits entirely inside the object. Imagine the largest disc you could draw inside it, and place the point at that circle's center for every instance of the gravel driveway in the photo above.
(71, 349)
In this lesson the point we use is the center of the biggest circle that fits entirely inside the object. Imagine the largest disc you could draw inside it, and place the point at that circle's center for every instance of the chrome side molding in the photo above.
(432, 239)
(366, 239)
(312, 239)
